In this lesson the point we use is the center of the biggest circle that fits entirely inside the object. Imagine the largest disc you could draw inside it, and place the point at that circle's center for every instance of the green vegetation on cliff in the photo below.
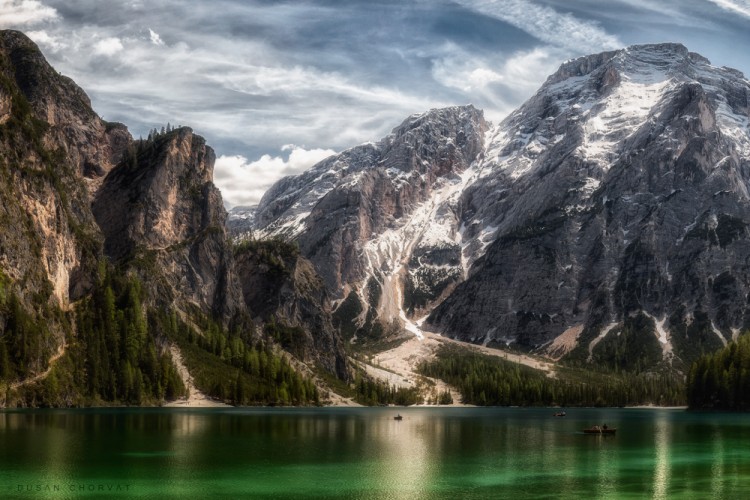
(110, 355)
(117, 352)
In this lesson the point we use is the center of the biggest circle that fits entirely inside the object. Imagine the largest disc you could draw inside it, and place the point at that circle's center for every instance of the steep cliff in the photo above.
(51, 141)
(113, 253)
(49, 243)
(161, 213)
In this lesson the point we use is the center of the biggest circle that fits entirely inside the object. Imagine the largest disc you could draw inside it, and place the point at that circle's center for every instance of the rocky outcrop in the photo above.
(282, 290)
(51, 139)
(90, 145)
(49, 242)
(78, 195)
(160, 211)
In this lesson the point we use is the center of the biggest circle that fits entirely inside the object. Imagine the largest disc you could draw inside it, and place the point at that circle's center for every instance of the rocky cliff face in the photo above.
(91, 146)
(78, 195)
(160, 210)
(241, 219)
(52, 139)
(611, 208)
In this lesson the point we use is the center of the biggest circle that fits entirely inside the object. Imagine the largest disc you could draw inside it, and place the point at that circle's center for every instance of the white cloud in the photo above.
(45, 40)
(266, 80)
(155, 38)
(547, 24)
(17, 13)
(243, 182)
(108, 46)
(741, 7)
(496, 85)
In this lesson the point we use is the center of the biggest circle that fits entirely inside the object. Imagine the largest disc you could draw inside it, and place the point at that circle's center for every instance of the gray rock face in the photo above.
(55, 150)
(155, 211)
(620, 188)
(49, 241)
(159, 207)
(91, 145)
(241, 219)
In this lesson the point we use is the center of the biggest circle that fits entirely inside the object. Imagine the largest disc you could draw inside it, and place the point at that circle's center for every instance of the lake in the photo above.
(364, 453)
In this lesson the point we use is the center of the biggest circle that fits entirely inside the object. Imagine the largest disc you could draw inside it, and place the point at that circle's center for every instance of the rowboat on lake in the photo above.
(398, 417)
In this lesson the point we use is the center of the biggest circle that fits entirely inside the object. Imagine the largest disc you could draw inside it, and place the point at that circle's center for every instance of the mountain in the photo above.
(365, 218)
(604, 221)
(241, 219)
(118, 279)
(54, 151)
(282, 289)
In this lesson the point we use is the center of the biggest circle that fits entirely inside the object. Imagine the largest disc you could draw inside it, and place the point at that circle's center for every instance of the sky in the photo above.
(276, 86)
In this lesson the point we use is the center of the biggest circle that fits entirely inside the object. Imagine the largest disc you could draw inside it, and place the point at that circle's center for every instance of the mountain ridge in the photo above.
(558, 223)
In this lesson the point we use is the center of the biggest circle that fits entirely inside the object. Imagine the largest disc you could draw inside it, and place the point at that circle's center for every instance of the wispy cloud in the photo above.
(243, 182)
(547, 24)
(18, 13)
(741, 7)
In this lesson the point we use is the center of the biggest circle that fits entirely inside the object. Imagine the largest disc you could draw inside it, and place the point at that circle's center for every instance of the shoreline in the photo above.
(209, 403)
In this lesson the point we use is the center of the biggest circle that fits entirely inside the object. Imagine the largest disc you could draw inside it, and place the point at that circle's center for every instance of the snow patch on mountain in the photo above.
(620, 114)
(387, 254)
(663, 336)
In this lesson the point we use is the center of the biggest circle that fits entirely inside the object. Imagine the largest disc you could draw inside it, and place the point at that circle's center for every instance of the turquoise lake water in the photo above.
(364, 453)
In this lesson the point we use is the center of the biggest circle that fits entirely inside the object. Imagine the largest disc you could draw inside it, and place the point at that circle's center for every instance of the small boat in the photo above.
(599, 430)
(398, 417)
(559, 414)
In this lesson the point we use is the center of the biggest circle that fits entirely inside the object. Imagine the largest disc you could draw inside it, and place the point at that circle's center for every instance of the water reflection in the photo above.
(406, 453)
(717, 467)
(662, 439)
(364, 453)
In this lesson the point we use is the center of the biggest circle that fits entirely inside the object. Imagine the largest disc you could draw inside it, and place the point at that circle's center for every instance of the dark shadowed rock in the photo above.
(281, 287)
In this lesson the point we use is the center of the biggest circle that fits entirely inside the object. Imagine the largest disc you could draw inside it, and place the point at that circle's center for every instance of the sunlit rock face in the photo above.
(54, 151)
(160, 205)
